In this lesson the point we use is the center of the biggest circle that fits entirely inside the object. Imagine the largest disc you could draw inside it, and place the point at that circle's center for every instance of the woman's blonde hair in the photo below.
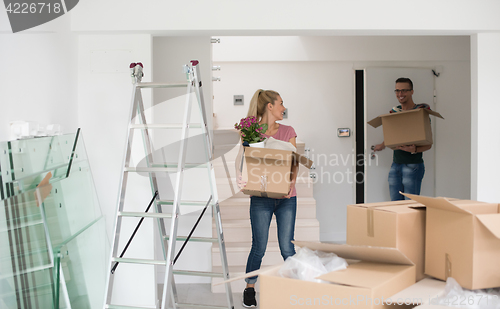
(259, 102)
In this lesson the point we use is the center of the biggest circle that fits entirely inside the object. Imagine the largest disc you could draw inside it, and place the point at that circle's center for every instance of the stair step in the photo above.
(237, 254)
(238, 208)
(240, 230)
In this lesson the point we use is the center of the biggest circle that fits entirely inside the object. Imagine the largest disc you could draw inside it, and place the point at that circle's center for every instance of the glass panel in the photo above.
(24, 163)
(84, 268)
(52, 232)
(25, 254)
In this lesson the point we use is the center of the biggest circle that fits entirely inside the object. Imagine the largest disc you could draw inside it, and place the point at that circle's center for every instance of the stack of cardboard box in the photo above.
(462, 241)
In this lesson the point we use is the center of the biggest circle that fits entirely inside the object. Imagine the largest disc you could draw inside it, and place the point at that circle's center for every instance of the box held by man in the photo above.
(412, 127)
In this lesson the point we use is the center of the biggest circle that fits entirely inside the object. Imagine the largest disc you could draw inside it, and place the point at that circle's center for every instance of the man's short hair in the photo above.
(405, 80)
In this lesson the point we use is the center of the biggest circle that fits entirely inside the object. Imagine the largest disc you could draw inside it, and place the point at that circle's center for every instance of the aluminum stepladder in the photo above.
(169, 294)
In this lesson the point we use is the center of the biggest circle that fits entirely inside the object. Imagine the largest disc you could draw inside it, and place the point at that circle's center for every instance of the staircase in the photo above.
(234, 207)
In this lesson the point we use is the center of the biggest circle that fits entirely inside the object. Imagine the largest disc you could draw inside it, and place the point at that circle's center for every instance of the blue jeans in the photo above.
(406, 178)
(261, 213)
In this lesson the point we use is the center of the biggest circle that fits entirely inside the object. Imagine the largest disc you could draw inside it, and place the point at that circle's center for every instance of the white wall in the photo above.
(169, 56)
(485, 108)
(282, 17)
(104, 98)
(38, 82)
(316, 81)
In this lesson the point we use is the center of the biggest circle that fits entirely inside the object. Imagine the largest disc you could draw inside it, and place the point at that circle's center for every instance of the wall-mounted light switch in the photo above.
(238, 99)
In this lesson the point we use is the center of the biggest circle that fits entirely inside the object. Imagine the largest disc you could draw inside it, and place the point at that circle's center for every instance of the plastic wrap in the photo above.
(455, 296)
(307, 265)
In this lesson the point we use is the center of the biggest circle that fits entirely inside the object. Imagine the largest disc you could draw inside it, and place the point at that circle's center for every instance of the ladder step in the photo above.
(196, 239)
(124, 307)
(198, 273)
(183, 203)
(186, 165)
(167, 168)
(150, 169)
(144, 214)
(179, 305)
(139, 261)
(162, 85)
(164, 126)
(163, 262)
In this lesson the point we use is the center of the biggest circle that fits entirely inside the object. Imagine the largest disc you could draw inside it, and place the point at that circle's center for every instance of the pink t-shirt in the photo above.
(284, 133)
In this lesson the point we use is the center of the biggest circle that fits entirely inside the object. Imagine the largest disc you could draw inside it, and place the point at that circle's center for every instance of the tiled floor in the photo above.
(201, 294)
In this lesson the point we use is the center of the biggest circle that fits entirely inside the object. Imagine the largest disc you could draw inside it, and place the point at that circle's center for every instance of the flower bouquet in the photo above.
(250, 130)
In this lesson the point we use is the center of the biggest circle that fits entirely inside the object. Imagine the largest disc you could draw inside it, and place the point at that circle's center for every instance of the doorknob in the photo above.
(372, 154)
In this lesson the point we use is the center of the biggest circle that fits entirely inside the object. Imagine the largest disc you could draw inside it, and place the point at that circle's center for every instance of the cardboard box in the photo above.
(411, 127)
(366, 284)
(392, 225)
(462, 241)
(267, 171)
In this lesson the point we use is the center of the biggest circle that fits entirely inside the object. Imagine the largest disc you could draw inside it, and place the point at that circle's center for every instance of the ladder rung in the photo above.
(164, 126)
(124, 307)
(139, 261)
(163, 262)
(198, 273)
(151, 169)
(162, 85)
(179, 305)
(167, 168)
(196, 239)
(183, 203)
(144, 214)
(186, 165)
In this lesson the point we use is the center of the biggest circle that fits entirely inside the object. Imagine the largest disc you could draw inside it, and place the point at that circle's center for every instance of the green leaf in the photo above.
(264, 128)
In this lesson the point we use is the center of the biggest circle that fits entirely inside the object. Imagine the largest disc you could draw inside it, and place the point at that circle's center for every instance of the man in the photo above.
(407, 169)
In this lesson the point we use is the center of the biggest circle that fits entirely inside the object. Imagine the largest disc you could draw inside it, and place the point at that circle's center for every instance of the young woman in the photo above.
(267, 107)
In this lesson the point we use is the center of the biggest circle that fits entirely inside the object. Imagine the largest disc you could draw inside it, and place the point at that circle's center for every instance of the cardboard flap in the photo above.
(365, 275)
(303, 160)
(491, 222)
(365, 253)
(436, 202)
(407, 203)
(431, 112)
(375, 122)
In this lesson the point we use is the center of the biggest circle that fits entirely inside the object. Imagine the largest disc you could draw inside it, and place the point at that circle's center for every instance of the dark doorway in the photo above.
(360, 136)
